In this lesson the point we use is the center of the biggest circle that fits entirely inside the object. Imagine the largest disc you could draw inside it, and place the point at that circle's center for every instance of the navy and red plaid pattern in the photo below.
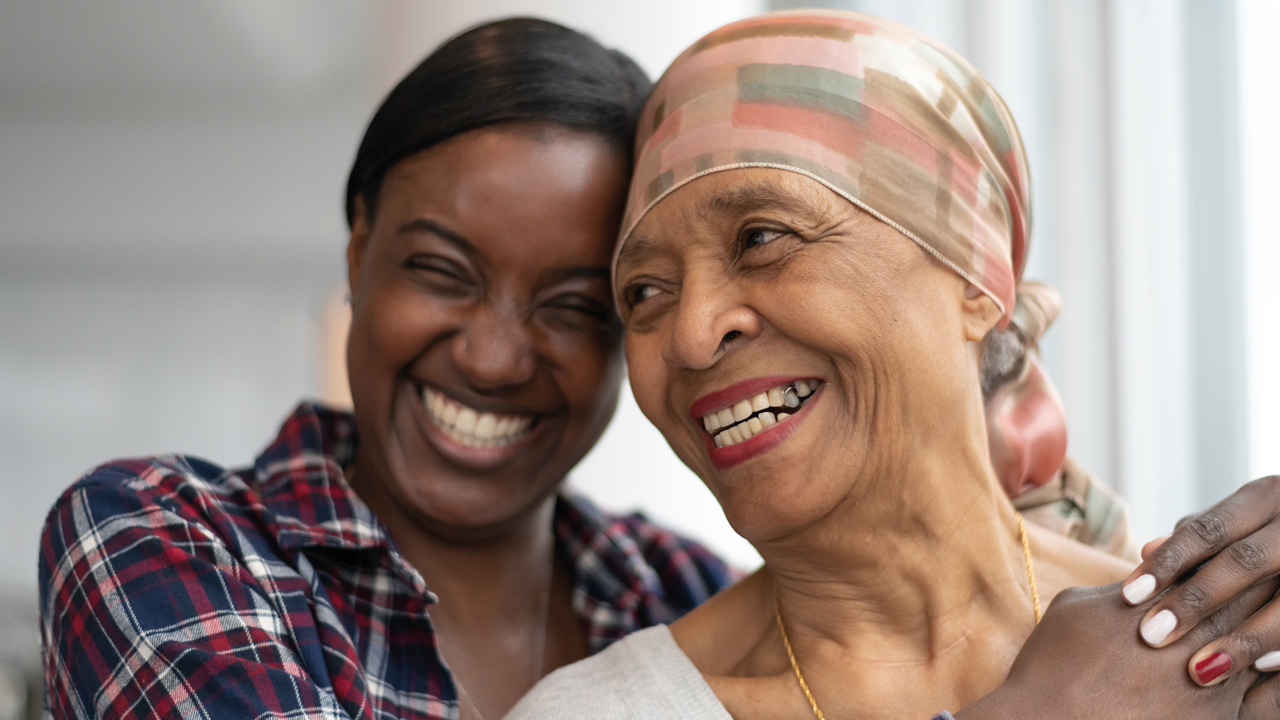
(171, 587)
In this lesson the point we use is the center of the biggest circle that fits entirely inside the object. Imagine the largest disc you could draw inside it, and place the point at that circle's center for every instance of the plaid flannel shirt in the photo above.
(171, 587)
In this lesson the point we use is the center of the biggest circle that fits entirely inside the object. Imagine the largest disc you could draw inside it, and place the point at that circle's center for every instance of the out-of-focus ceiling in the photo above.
(236, 47)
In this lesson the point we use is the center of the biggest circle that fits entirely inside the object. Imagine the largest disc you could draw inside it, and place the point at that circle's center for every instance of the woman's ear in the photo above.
(981, 313)
(356, 247)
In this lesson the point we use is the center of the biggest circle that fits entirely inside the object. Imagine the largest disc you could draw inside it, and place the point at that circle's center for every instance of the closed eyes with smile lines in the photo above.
(574, 297)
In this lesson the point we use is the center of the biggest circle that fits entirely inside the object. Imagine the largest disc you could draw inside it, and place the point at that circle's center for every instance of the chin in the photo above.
(764, 508)
(468, 507)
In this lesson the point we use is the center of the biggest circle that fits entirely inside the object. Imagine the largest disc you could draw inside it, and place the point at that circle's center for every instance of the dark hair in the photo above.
(1004, 355)
(520, 69)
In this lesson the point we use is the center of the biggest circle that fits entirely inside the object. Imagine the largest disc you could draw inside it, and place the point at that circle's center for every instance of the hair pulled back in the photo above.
(519, 69)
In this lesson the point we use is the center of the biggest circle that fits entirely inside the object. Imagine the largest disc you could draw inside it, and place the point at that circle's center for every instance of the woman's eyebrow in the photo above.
(637, 246)
(426, 225)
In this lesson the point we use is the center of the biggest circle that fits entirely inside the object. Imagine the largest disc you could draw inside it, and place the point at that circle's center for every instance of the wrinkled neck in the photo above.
(924, 551)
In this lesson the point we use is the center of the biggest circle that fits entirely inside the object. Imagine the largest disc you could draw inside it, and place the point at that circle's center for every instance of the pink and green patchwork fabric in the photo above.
(891, 120)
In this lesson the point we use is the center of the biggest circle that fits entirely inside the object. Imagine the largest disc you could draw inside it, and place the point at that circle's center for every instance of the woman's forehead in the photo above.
(725, 197)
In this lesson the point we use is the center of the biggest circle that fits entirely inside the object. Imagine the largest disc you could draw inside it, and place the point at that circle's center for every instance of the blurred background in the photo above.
(171, 232)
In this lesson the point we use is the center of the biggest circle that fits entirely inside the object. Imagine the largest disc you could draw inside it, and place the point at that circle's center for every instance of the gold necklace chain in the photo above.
(791, 655)
(795, 666)
(1031, 572)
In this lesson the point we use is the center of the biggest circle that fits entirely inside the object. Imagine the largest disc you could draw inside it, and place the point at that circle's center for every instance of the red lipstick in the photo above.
(721, 399)
(726, 457)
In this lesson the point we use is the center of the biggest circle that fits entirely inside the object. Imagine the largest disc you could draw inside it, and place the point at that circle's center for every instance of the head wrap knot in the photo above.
(892, 121)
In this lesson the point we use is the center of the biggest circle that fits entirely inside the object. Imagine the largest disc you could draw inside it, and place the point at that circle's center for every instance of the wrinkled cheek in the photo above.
(651, 384)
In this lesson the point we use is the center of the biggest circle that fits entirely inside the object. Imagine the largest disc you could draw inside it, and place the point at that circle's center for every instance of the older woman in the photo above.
(828, 218)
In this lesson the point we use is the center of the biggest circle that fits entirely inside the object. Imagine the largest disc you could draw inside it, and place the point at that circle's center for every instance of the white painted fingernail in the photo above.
(1269, 662)
(1156, 629)
(1139, 590)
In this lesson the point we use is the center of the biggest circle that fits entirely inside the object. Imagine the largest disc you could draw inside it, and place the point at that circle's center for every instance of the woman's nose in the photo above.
(709, 322)
(494, 350)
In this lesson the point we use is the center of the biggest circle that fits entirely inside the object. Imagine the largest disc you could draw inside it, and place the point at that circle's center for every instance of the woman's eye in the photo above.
(440, 267)
(640, 293)
(755, 237)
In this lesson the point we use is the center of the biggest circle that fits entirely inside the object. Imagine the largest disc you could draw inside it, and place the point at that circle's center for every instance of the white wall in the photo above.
(159, 289)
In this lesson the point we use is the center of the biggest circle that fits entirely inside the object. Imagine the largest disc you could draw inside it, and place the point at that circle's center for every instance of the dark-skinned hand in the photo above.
(1213, 556)
(1085, 660)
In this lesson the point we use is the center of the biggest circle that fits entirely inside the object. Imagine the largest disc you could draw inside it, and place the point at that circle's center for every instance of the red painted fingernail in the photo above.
(1212, 667)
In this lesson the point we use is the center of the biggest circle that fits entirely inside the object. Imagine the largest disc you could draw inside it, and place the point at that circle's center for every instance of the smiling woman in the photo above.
(825, 229)
(483, 349)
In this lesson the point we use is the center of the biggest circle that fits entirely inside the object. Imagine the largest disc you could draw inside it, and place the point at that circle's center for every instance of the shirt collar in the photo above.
(301, 482)
(610, 567)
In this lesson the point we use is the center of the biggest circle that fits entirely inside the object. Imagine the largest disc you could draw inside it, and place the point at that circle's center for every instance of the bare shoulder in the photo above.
(722, 632)
(1061, 563)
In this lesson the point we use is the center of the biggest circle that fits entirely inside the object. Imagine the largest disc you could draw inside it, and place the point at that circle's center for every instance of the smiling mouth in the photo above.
(473, 428)
(747, 418)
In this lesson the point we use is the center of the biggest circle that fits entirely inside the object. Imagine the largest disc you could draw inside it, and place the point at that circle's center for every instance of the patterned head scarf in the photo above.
(889, 119)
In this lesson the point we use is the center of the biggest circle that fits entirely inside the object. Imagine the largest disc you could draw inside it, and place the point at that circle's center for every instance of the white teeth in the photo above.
(754, 415)
(466, 420)
(469, 427)
(486, 426)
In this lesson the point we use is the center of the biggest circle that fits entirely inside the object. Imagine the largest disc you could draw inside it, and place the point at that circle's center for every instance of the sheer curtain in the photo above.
(1259, 55)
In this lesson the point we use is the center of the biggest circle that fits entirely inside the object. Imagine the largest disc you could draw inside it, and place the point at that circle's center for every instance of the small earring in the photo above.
(347, 299)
